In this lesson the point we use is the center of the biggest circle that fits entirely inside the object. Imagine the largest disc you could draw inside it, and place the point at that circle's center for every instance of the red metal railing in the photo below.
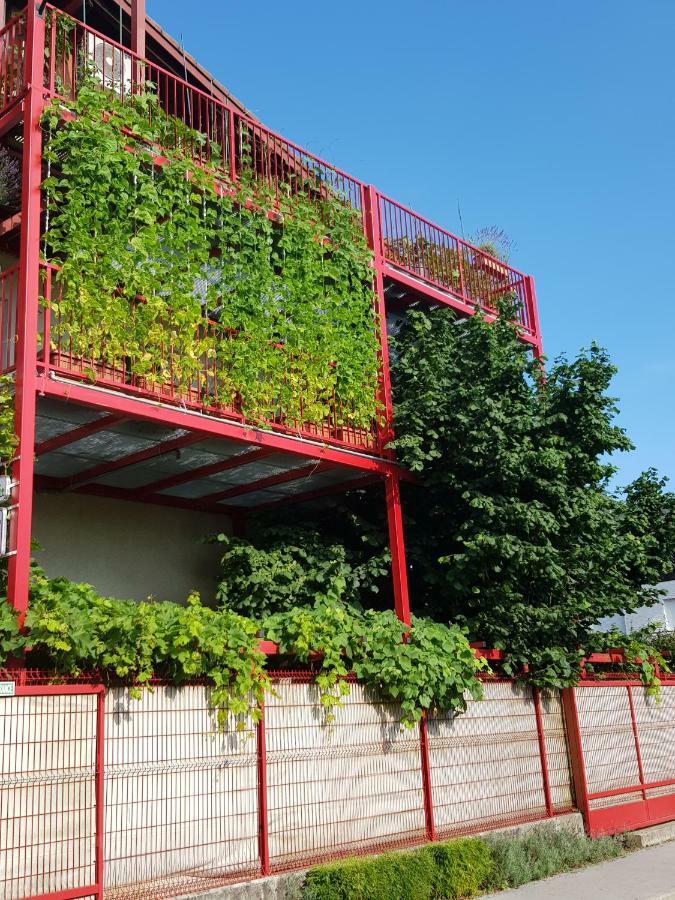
(435, 256)
(12, 50)
(209, 387)
(203, 126)
(9, 285)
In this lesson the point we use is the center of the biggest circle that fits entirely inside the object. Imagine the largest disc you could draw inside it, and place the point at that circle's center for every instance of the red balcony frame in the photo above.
(476, 286)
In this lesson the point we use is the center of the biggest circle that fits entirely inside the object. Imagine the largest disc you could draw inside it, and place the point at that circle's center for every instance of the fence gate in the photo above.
(622, 744)
(51, 791)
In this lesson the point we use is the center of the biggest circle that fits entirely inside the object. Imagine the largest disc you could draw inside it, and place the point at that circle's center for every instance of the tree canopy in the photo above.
(512, 528)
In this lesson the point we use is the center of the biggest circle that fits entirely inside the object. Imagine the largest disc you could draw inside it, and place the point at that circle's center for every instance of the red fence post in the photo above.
(100, 793)
(576, 753)
(536, 696)
(426, 779)
(636, 738)
(25, 382)
(263, 824)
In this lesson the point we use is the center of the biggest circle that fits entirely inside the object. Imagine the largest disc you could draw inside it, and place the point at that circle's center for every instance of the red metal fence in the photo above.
(187, 808)
(623, 750)
(51, 792)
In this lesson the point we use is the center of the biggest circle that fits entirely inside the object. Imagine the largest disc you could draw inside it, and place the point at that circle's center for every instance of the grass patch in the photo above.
(543, 852)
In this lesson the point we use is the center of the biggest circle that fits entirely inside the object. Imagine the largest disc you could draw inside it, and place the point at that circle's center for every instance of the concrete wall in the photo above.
(127, 550)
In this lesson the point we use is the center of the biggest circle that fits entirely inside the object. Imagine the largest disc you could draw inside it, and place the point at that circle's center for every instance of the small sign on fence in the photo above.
(7, 688)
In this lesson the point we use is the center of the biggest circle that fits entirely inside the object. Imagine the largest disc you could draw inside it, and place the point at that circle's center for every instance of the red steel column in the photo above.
(25, 383)
(536, 696)
(397, 548)
(138, 27)
(426, 779)
(263, 824)
(576, 752)
(371, 224)
(533, 314)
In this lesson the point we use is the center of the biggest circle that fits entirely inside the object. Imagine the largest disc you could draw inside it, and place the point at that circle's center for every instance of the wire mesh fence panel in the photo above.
(486, 767)
(608, 743)
(350, 787)
(655, 721)
(47, 795)
(180, 795)
(557, 752)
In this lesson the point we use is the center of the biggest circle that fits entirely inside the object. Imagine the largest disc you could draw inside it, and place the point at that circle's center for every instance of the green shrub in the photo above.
(450, 871)
(405, 876)
(543, 852)
(461, 867)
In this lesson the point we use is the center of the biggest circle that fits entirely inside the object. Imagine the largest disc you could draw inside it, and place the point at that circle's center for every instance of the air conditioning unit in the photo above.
(112, 67)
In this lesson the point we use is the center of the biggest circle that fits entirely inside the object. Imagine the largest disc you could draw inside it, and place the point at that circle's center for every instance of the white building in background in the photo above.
(662, 611)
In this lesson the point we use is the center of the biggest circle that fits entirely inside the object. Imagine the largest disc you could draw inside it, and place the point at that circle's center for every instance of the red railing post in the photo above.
(100, 793)
(426, 779)
(576, 752)
(536, 696)
(138, 42)
(263, 823)
(25, 383)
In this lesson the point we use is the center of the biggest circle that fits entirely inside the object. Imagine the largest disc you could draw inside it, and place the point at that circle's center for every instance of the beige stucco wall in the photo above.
(127, 550)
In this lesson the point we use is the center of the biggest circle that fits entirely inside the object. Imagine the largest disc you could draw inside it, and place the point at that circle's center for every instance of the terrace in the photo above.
(156, 378)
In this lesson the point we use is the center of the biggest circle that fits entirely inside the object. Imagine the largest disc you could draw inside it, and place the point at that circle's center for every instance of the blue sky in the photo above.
(552, 120)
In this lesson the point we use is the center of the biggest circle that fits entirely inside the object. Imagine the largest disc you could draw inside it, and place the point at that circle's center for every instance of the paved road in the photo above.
(644, 875)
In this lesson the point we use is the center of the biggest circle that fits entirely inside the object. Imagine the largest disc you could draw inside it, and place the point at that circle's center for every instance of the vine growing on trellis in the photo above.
(176, 277)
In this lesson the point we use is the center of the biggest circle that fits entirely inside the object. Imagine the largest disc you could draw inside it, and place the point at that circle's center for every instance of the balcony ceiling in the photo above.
(85, 451)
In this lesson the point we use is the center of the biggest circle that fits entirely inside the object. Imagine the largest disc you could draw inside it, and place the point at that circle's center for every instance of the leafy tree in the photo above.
(283, 568)
(511, 528)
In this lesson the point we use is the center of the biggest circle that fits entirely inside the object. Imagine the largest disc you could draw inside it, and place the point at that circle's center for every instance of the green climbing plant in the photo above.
(231, 295)
(8, 440)
(429, 666)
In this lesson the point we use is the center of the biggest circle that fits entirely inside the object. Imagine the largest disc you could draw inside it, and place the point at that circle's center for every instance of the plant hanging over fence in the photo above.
(227, 294)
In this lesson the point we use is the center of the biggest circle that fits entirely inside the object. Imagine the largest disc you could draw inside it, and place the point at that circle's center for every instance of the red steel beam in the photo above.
(270, 481)
(140, 456)
(222, 465)
(77, 434)
(48, 483)
(210, 426)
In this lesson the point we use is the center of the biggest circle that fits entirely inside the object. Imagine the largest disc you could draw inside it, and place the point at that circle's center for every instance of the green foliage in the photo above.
(511, 527)
(543, 852)
(433, 668)
(11, 641)
(452, 870)
(642, 655)
(149, 252)
(287, 567)
(8, 440)
(73, 629)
